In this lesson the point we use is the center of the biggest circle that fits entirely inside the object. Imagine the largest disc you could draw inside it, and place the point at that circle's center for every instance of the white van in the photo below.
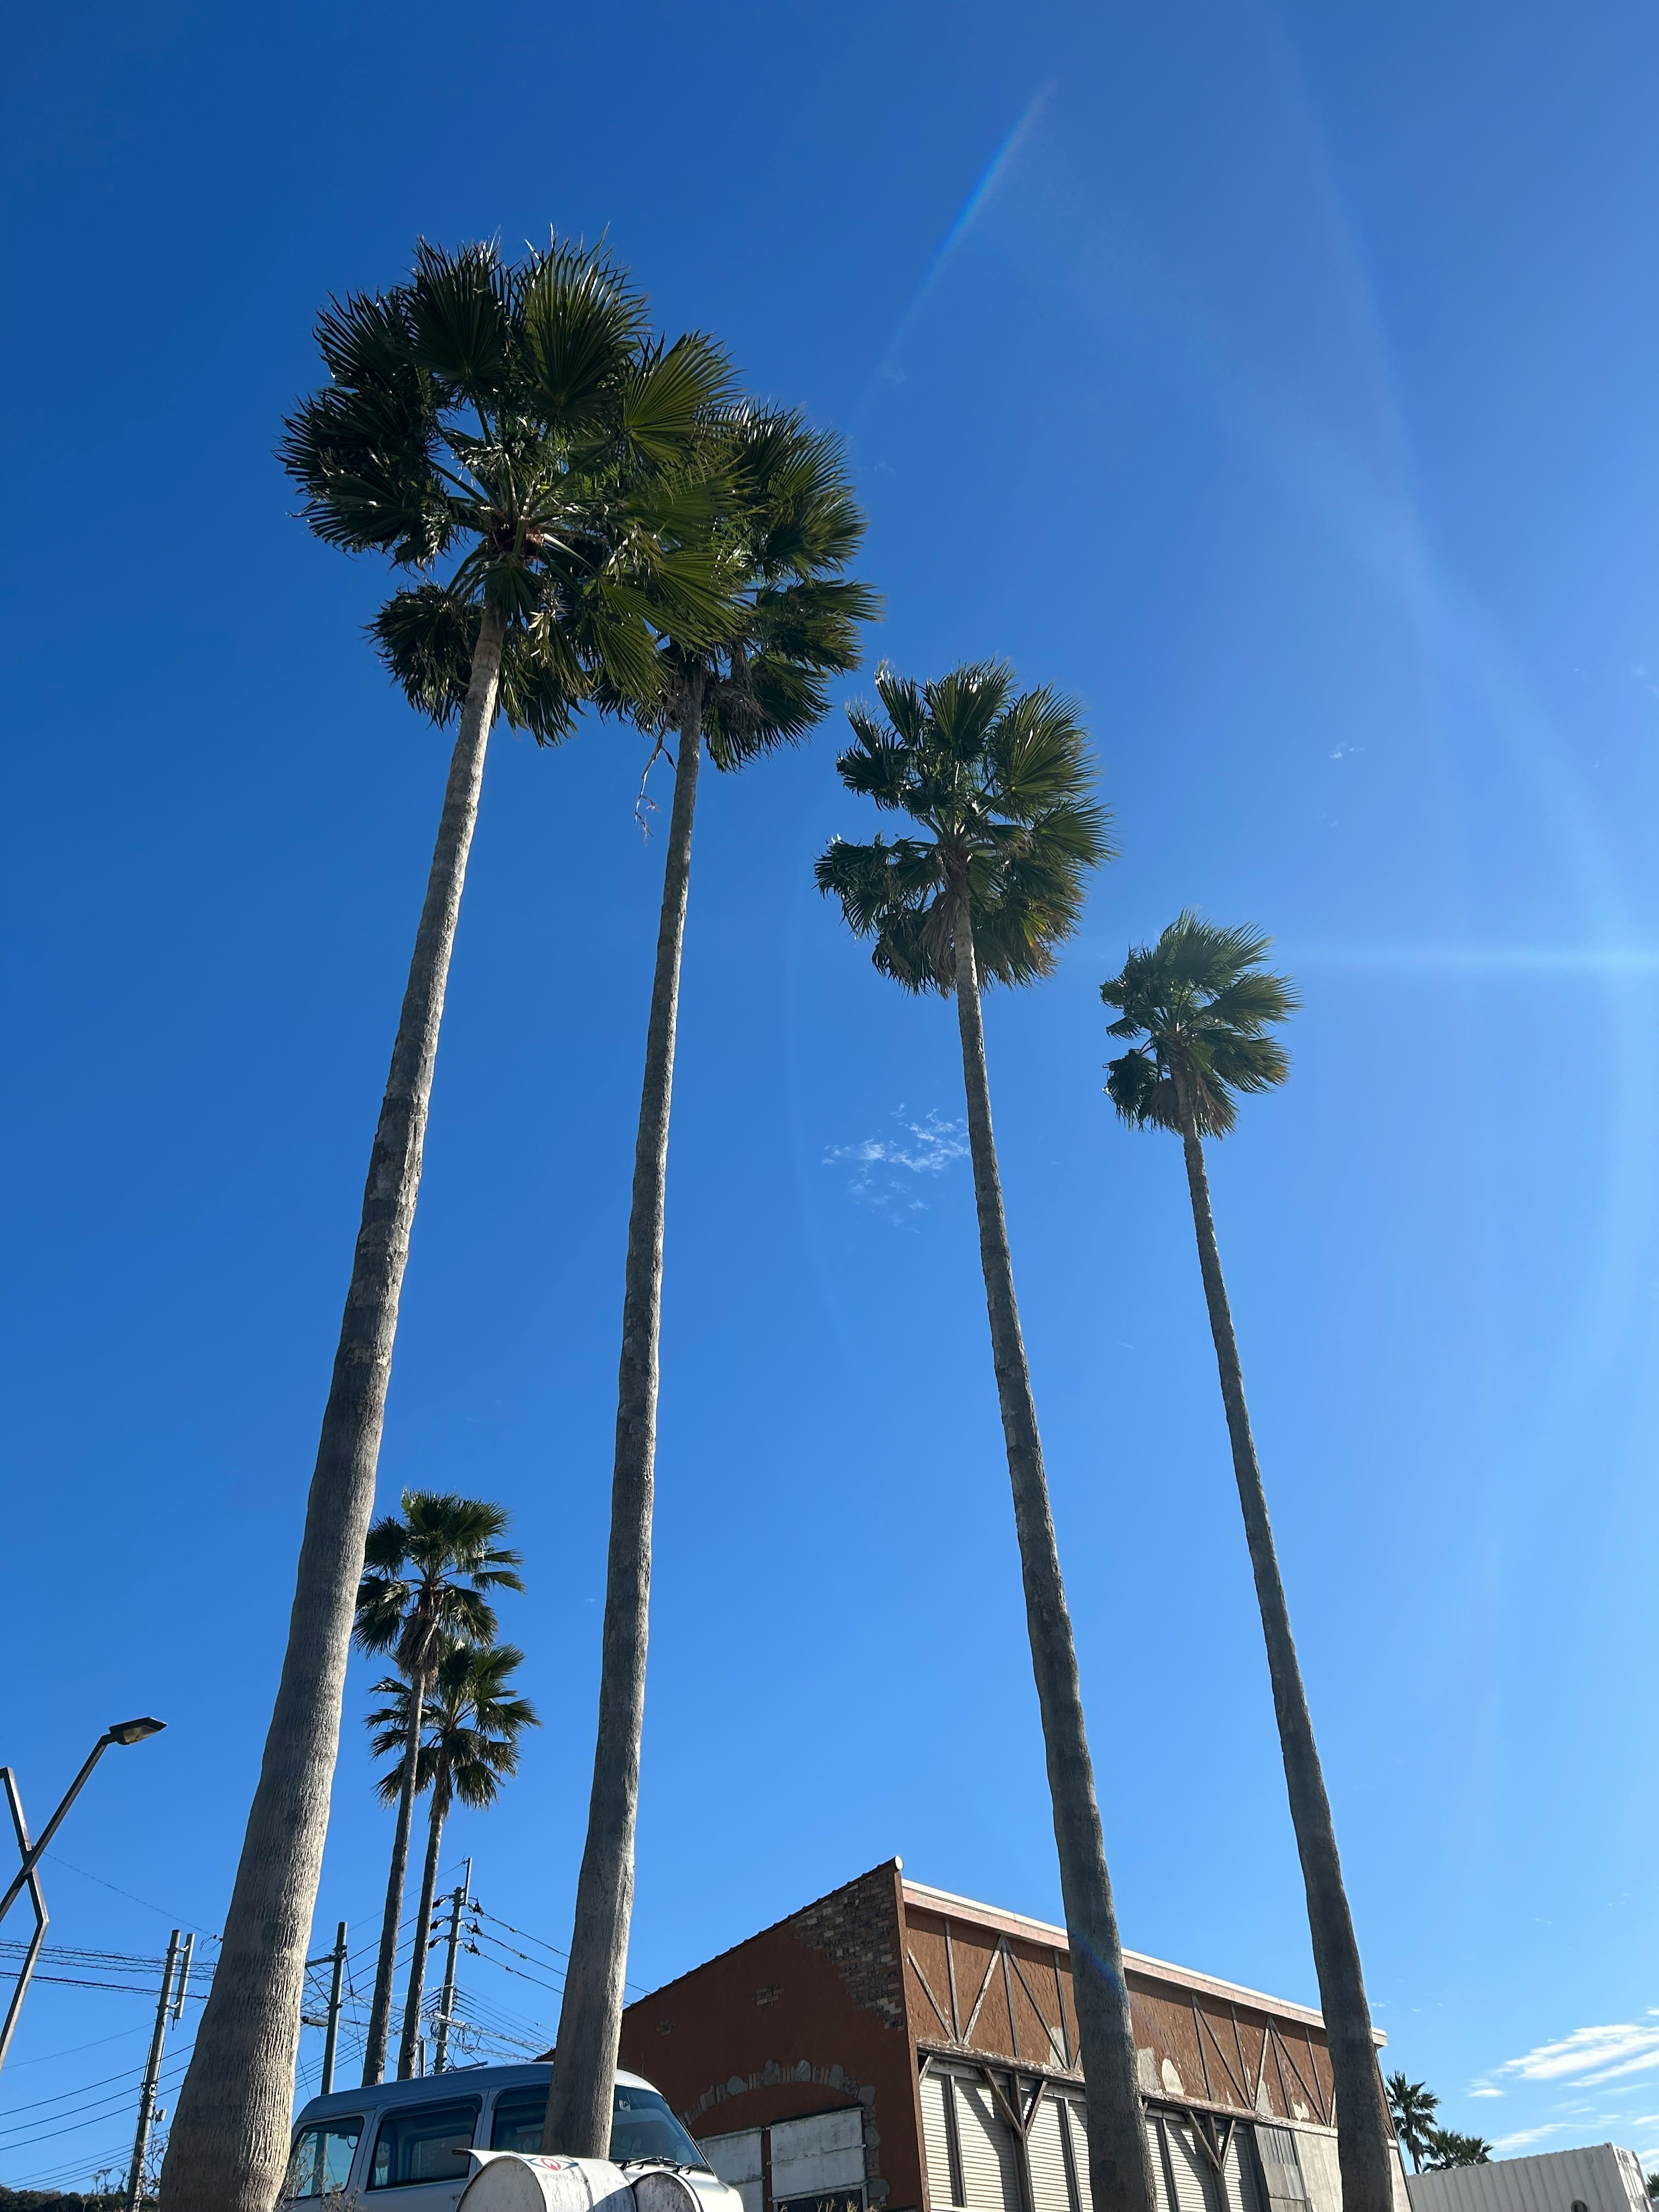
(402, 2146)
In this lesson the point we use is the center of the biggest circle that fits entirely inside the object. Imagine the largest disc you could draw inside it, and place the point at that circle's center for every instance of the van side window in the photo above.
(322, 2156)
(423, 2142)
(517, 2124)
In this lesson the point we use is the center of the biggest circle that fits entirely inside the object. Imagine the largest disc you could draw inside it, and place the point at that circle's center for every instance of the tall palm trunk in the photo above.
(578, 2098)
(435, 1836)
(380, 2008)
(1119, 2176)
(1362, 2129)
(229, 2140)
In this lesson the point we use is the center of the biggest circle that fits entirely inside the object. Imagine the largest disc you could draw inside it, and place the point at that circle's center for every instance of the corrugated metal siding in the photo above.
(1595, 2175)
(1191, 2169)
(990, 2167)
(935, 2139)
(1238, 2174)
(1160, 2174)
(1046, 2154)
(1281, 2168)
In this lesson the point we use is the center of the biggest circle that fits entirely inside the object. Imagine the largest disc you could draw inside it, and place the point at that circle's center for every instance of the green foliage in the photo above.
(520, 419)
(782, 523)
(471, 1724)
(426, 1574)
(1411, 2107)
(1448, 2148)
(1003, 784)
(1204, 1003)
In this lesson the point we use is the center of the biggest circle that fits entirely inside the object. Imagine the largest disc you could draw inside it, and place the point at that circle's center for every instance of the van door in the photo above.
(418, 2161)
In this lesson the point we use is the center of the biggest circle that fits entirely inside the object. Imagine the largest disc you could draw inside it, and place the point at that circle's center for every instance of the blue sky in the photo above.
(1283, 383)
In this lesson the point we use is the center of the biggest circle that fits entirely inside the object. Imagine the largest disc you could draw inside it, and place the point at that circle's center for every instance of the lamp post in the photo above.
(27, 1878)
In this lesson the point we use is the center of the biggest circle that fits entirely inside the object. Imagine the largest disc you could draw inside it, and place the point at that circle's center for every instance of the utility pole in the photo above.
(183, 1979)
(152, 2074)
(447, 2001)
(332, 2037)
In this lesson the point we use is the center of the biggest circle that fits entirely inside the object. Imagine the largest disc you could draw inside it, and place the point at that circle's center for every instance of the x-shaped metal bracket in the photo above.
(27, 1969)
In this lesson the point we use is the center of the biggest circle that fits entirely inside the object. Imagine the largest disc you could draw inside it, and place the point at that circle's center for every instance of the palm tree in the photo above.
(469, 1744)
(519, 424)
(786, 525)
(1412, 2106)
(1448, 2148)
(1001, 785)
(422, 1590)
(1203, 1002)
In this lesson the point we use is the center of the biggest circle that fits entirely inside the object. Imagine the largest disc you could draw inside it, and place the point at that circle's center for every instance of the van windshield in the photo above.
(641, 2126)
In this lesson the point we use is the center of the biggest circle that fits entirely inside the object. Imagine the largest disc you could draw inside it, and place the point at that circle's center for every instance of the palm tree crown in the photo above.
(784, 525)
(1004, 783)
(522, 420)
(1202, 1000)
(1412, 2106)
(425, 1575)
(470, 1726)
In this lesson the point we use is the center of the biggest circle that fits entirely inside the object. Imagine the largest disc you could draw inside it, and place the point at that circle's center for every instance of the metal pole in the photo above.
(31, 1856)
(152, 2074)
(122, 1732)
(447, 2001)
(27, 1969)
(183, 1979)
(333, 2036)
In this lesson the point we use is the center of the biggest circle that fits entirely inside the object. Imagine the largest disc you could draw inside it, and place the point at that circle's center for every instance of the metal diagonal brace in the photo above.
(27, 1969)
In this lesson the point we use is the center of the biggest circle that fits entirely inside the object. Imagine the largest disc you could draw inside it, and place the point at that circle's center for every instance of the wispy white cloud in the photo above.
(1590, 2055)
(1523, 2137)
(1483, 2088)
(886, 1169)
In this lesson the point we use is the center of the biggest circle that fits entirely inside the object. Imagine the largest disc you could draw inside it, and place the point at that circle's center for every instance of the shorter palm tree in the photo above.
(469, 1734)
(1448, 2148)
(1001, 787)
(1205, 1004)
(422, 1590)
(1412, 2106)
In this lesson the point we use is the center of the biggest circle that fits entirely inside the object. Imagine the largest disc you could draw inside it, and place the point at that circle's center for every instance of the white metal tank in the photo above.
(531, 2181)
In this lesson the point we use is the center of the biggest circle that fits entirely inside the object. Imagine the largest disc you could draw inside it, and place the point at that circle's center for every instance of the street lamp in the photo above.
(121, 1732)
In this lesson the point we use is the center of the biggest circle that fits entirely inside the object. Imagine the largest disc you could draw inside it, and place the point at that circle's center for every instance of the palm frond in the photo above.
(667, 395)
(1204, 1003)
(460, 324)
(581, 326)
(1004, 785)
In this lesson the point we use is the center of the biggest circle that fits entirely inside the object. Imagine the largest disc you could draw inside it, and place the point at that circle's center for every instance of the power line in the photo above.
(45, 2057)
(183, 1919)
(127, 2074)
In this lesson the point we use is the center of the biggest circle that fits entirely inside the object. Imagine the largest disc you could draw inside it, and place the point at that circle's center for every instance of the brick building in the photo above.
(892, 2048)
